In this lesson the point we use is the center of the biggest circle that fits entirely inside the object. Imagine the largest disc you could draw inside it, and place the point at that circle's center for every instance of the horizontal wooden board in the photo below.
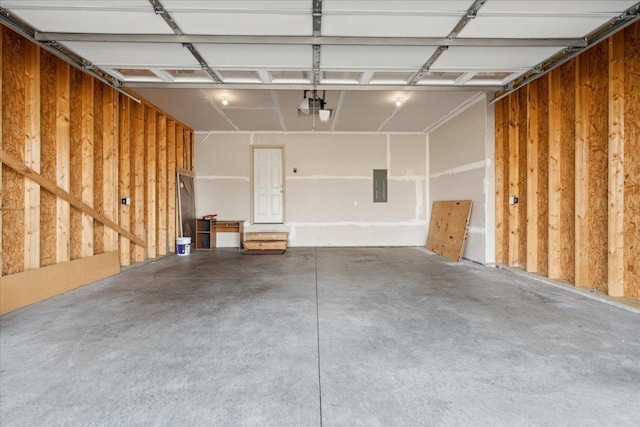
(22, 289)
(448, 228)
(265, 245)
(262, 235)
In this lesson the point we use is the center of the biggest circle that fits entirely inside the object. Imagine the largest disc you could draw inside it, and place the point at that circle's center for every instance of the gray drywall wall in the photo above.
(329, 200)
(461, 168)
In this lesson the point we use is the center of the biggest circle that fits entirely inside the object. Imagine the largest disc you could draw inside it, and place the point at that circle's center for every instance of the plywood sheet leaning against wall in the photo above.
(71, 148)
(448, 228)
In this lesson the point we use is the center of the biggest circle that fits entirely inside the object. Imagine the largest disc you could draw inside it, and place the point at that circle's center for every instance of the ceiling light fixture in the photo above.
(225, 100)
(398, 101)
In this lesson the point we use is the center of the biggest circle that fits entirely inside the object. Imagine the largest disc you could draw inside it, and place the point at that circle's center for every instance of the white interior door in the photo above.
(268, 186)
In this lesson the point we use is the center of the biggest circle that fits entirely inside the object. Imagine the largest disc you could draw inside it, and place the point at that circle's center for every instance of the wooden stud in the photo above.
(13, 132)
(151, 159)
(501, 183)
(63, 162)
(47, 156)
(32, 157)
(616, 164)
(87, 141)
(567, 171)
(514, 179)
(1, 139)
(98, 167)
(124, 162)
(162, 185)
(109, 164)
(555, 141)
(191, 149)
(171, 185)
(137, 174)
(582, 170)
(543, 174)
(180, 146)
(632, 162)
(522, 176)
(75, 160)
(532, 177)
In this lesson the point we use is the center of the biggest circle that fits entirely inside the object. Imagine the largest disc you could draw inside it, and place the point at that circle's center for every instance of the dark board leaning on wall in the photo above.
(186, 203)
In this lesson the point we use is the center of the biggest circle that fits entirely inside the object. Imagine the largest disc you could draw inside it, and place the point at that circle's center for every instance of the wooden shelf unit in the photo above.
(207, 229)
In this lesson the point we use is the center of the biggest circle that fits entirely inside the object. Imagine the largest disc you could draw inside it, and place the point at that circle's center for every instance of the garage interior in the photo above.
(527, 108)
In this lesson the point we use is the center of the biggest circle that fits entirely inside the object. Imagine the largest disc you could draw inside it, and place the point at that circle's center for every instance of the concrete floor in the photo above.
(333, 337)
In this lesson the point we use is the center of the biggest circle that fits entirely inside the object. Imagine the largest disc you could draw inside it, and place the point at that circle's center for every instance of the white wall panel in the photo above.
(458, 158)
(329, 201)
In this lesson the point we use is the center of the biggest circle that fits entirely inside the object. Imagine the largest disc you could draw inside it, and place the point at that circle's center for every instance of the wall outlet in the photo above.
(513, 200)
(126, 201)
(295, 170)
(355, 203)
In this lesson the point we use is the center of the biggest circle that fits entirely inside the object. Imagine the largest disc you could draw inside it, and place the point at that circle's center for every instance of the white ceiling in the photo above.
(260, 54)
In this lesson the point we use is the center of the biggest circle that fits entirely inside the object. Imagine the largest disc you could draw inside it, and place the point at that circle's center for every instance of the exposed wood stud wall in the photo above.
(63, 160)
(1, 139)
(532, 177)
(124, 161)
(88, 142)
(555, 186)
(32, 157)
(109, 155)
(616, 164)
(180, 147)
(521, 190)
(632, 163)
(161, 174)
(598, 135)
(13, 135)
(582, 170)
(137, 177)
(75, 160)
(567, 173)
(171, 185)
(514, 172)
(502, 232)
(99, 169)
(88, 162)
(150, 164)
(48, 156)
